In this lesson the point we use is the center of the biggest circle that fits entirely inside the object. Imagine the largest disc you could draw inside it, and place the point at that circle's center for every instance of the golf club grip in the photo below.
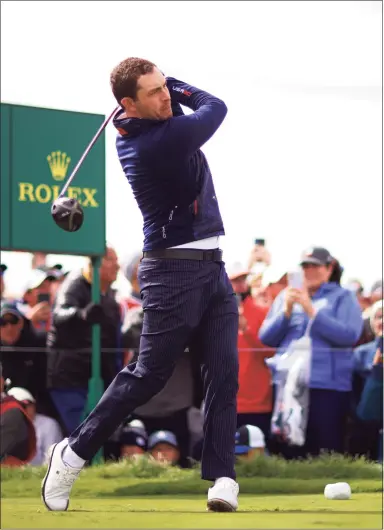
(86, 152)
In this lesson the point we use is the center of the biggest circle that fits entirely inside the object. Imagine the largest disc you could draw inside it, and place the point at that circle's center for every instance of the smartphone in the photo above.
(295, 279)
(43, 297)
(260, 242)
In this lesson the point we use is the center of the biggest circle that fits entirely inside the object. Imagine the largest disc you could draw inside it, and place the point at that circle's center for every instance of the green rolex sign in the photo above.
(39, 149)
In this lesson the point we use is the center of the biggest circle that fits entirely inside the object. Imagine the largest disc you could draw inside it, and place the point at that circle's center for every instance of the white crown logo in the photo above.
(58, 164)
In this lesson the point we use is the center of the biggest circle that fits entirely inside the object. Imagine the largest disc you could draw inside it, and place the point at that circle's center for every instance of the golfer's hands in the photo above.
(93, 313)
(39, 313)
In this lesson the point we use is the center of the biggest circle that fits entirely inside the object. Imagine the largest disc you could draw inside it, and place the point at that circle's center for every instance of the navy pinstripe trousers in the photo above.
(186, 303)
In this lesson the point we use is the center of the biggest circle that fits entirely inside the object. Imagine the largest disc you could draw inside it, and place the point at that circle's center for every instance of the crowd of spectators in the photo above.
(46, 361)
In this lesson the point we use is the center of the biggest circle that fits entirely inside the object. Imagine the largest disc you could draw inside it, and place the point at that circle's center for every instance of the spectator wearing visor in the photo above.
(336, 325)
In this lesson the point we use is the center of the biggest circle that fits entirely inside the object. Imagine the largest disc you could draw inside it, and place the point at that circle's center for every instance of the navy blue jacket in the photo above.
(169, 175)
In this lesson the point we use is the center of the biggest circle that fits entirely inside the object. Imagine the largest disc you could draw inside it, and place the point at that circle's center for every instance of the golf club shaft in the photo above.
(86, 152)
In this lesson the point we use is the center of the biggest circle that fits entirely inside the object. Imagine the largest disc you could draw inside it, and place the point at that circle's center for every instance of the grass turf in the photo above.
(147, 477)
(363, 510)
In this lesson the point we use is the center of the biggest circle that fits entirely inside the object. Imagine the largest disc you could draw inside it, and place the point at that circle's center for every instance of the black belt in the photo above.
(185, 253)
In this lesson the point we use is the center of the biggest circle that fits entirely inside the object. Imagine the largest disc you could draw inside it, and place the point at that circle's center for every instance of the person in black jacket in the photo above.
(70, 338)
(23, 355)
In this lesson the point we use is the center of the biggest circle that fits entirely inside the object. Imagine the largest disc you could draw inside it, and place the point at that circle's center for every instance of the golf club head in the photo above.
(67, 214)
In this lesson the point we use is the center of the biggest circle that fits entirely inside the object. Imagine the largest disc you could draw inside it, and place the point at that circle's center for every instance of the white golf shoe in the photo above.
(222, 497)
(58, 480)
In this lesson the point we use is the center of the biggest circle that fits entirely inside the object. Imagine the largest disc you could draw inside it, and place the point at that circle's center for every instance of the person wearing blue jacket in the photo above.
(187, 298)
(365, 433)
(336, 325)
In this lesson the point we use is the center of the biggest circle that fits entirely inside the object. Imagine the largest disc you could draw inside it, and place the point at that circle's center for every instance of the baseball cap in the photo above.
(10, 308)
(248, 437)
(53, 273)
(237, 270)
(316, 256)
(21, 394)
(136, 436)
(36, 277)
(162, 437)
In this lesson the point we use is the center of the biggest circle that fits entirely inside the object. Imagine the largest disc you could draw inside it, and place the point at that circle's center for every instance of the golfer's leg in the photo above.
(168, 313)
(217, 343)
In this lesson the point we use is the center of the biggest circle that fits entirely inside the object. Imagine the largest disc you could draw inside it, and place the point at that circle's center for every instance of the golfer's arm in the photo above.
(186, 134)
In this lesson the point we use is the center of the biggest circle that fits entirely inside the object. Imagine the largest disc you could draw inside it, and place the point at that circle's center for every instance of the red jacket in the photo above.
(9, 403)
(255, 389)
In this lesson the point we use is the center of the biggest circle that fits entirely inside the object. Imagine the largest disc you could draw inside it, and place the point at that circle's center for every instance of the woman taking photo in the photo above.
(335, 326)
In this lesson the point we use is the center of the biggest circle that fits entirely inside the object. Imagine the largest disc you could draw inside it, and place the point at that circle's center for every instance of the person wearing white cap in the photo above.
(37, 298)
(47, 430)
(249, 442)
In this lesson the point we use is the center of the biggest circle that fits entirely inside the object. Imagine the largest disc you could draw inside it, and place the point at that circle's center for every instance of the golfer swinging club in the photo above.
(187, 297)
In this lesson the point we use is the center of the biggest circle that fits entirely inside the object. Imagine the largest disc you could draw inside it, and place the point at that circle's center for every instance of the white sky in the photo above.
(298, 158)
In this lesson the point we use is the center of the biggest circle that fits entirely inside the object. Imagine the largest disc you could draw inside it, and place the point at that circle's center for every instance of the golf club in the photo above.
(66, 211)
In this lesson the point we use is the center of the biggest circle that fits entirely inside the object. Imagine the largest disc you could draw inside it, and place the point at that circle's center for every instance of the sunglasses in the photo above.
(12, 320)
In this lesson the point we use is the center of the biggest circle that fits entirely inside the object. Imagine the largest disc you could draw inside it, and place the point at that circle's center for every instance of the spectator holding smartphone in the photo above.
(336, 325)
(37, 298)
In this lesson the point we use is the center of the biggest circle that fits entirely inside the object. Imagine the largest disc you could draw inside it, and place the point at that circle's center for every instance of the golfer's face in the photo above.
(153, 99)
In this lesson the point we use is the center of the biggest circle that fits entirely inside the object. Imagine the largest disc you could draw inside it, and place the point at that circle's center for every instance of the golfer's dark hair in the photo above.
(125, 75)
